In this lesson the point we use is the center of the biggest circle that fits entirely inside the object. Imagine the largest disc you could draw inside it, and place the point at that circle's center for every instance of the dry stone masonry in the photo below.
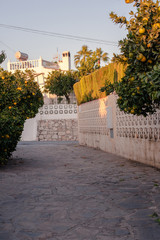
(57, 130)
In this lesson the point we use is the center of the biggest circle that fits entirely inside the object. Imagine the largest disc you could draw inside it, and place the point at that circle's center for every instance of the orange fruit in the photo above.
(145, 19)
(129, 1)
(143, 59)
(124, 59)
(142, 30)
(156, 26)
(140, 56)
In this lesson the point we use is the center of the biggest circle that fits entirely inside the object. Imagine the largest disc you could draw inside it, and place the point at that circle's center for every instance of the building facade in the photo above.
(41, 68)
(54, 122)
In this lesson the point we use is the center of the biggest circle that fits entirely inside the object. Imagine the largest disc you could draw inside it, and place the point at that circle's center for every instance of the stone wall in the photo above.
(102, 125)
(54, 122)
(57, 130)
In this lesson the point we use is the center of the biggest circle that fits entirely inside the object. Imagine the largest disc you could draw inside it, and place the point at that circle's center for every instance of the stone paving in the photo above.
(63, 191)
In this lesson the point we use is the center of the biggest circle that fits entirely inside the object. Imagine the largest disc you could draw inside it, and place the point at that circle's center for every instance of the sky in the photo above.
(83, 18)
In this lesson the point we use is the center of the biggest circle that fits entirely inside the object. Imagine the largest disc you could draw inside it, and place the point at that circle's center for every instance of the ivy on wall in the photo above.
(90, 86)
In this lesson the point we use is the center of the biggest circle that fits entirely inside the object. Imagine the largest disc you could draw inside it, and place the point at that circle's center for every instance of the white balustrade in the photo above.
(24, 65)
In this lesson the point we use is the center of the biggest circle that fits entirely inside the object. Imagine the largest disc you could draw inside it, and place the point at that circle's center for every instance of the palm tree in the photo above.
(82, 55)
(87, 61)
(100, 56)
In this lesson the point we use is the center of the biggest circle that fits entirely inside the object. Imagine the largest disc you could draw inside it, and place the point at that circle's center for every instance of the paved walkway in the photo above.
(63, 191)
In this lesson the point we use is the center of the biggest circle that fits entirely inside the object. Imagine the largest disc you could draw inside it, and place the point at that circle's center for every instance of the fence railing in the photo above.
(24, 64)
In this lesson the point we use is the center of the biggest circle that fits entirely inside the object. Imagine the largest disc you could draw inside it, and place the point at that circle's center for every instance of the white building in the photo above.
(62, 116)
(40, 66)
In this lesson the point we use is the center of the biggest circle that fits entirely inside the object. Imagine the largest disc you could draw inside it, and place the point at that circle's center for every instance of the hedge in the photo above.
(88, 88)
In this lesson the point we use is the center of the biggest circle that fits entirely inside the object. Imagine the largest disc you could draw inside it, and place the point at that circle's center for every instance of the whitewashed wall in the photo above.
(49, 115)
(102, 125)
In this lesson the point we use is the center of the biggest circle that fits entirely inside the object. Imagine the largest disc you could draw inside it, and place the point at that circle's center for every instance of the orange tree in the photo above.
(60, 83)
(139, 89)
(20, 99)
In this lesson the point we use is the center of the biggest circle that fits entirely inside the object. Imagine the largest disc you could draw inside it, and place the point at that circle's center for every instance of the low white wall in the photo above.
(57, 111)
(30, 130)
(102, 125)
(42, 125)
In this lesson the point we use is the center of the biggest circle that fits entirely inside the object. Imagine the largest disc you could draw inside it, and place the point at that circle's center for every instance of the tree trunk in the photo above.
(67, 98)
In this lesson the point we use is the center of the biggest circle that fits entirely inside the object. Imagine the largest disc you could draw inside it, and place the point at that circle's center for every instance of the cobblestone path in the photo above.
(63, 191)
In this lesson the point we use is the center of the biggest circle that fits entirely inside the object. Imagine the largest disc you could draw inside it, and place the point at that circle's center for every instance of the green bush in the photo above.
(20, 99)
